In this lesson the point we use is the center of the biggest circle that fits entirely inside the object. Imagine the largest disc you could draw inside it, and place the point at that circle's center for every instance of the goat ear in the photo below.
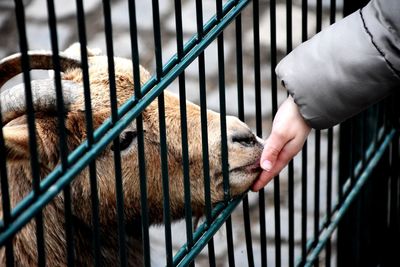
(16, 139)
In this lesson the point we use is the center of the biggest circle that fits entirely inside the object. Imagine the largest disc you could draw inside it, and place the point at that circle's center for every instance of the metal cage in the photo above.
(335, 204)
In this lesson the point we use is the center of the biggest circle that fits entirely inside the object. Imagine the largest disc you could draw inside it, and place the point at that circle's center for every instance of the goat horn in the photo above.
(11, 65)
(13, 101)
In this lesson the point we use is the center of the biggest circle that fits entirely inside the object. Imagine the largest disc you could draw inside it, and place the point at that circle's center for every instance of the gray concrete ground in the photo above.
(39, 38)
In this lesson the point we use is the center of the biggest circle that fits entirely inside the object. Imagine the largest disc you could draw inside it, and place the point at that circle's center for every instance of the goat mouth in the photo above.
(252, 167)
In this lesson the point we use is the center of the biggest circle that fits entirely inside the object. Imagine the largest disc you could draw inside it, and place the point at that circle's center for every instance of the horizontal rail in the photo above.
(214, 227)
(107, 132)
(183, 251)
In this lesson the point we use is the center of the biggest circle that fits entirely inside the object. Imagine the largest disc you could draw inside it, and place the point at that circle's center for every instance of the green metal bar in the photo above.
(214, 227)
(328, 247)
(204, 131)
(144, 218)
(61, 127)
(203, 115)
(317, 169)
(34, 159)
(165, 179)
(274, 93)
(5, 197)
(304, 164)
(289, 45)
(163, 135)
(365, 175)
(239, 74)
(222, 106)
(116, 143)
(317, 155)
(224, 141)
(184, 250)
(257, 89)
(89, 133)
(184, 135)
(329, 194)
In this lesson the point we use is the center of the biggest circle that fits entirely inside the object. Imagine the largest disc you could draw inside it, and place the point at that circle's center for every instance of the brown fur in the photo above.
(243, 166)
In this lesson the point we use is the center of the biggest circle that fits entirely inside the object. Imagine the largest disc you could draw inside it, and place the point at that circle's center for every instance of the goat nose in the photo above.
(244, 138)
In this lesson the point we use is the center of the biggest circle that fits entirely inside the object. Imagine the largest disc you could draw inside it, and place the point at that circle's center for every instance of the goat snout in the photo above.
(245, 150)
(240, 134)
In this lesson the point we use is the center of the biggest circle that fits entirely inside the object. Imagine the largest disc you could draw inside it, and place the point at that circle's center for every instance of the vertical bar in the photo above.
(89, 132)
(329, 194)
(289, 44)
(116, 143)
(239, 66)
(204, 130)
(184, 138)
(304, 18)
(352, 154)
(291, 213)
(224, 142)
(140, 138)
(364, 138)
(222, 106)
(394, 214)
(317, 154)
(5, 198)
(34, 161)
(332, 15)
(343, 232)
(394, 229)
(304, 155)
(61, 128)
(328, 247)
(165, 180)
(257, 88)
(289, 34)
(274, 89)
(317, 188)
(163, 137)
(319, 16)
(304, 203)
(239, 73)
(157, 38)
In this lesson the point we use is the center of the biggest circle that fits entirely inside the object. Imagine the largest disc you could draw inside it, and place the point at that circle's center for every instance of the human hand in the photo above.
(289, 132)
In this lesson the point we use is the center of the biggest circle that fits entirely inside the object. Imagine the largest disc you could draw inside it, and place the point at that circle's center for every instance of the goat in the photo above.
(244, 150)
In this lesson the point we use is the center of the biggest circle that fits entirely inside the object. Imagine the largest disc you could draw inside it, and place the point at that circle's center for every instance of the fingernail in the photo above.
(266, 165)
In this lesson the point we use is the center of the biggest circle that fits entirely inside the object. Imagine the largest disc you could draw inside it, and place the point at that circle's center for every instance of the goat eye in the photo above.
(125, 140)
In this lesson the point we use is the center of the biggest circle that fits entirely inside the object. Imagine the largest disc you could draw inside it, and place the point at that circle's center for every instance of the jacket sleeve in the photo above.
(347, 67)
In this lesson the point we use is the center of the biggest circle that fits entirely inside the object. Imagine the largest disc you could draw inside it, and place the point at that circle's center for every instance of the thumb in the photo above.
(272, 148)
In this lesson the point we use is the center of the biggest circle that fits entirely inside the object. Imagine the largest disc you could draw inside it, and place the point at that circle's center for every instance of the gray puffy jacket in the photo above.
(346, 67)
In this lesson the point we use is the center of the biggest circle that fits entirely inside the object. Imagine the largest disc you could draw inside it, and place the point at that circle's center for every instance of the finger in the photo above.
(286, 154)
(265, 178)
(272, 148)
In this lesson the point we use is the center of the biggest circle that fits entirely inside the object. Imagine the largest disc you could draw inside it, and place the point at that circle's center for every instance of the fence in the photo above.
(302, 218)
